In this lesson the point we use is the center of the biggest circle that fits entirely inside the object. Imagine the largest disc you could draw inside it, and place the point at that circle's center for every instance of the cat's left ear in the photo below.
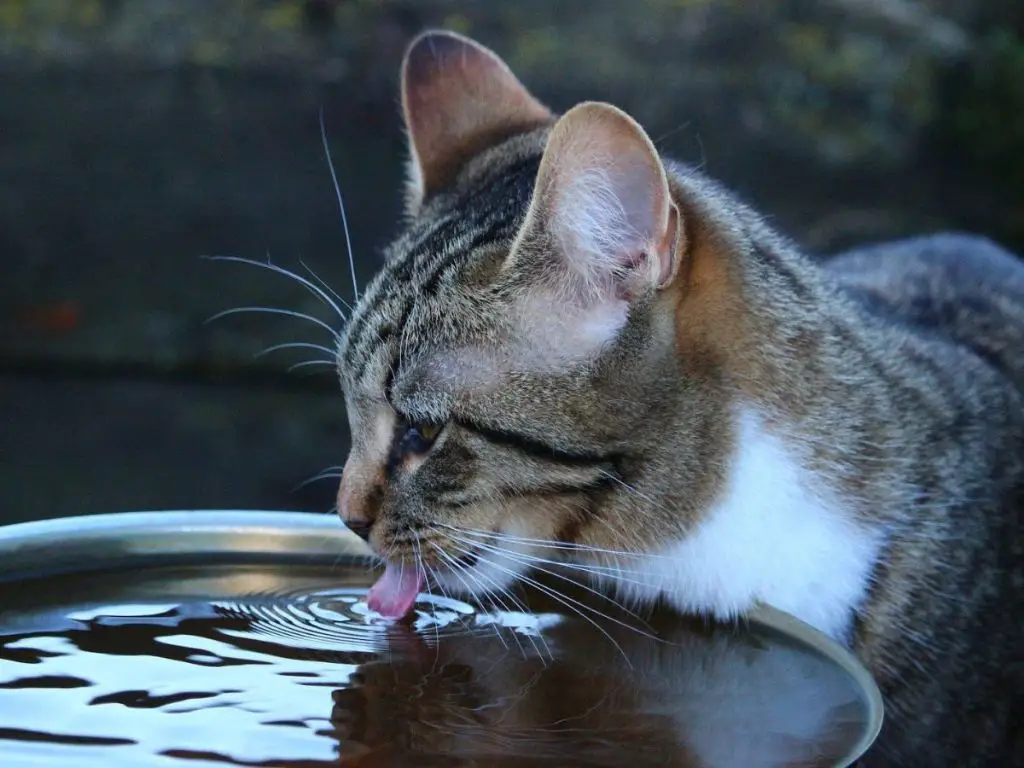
(458, 98)
(602, 216)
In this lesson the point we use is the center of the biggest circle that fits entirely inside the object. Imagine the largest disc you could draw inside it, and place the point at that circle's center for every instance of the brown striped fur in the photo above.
(895, 372)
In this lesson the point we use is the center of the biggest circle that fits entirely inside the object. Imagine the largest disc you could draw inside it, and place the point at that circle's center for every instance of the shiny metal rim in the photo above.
(75, 544)
(79, 544)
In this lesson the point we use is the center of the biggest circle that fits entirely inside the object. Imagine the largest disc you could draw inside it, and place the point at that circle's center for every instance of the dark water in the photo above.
(266, 666)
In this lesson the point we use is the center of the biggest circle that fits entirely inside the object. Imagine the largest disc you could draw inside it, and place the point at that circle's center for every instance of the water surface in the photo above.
(284, 666)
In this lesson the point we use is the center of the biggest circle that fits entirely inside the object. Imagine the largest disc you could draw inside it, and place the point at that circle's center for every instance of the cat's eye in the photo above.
(418, 438)
(428, 431)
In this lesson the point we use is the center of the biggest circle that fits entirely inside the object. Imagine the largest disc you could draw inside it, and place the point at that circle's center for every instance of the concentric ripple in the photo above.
(337, 618)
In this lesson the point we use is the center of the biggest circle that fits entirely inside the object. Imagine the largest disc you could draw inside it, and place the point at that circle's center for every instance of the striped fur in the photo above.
(885, 386)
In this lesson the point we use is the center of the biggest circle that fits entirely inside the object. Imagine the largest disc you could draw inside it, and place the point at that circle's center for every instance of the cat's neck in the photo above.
(784, 524)
(774, 533)
(791, 347)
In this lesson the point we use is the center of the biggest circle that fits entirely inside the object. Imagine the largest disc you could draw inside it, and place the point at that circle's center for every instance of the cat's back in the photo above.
(961, 288)
(961, 300)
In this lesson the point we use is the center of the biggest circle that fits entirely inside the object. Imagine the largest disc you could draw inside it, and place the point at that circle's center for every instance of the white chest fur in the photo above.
(776, 535)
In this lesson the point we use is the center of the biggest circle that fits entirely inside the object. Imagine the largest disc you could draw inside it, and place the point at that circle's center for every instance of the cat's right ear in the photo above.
(458, 98)
(602, 230)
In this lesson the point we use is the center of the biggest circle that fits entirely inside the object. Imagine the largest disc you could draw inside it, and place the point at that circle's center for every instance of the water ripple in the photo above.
(276, 667)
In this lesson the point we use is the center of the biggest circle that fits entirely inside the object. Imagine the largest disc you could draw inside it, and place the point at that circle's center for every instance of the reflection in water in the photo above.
(190, 667)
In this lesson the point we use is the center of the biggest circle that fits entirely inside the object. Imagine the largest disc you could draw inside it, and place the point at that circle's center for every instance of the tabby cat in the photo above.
(578, 349)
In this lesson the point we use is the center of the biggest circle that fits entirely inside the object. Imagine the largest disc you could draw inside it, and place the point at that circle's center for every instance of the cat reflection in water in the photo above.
(692, 698)
(581, 352)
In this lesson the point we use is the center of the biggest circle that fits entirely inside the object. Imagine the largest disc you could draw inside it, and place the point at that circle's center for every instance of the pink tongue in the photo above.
(396, 591)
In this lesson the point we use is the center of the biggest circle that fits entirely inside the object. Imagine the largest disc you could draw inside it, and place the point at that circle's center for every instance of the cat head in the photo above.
(514, 367)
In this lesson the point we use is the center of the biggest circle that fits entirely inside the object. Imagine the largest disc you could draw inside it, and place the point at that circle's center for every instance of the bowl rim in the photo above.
(59, 546)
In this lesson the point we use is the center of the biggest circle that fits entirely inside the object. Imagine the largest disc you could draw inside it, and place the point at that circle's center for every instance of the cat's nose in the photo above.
(354, 508)
(360, 528)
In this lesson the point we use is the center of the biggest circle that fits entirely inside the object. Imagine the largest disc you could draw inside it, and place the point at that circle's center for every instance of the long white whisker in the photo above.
(536, 562)
(615, 478)
(526, 560)
(294, 345)
(325, 285)
(275, 311)
(615, 570)
(457, 570)
(516, 603)
(574, 605)
(438, 583)
(440, 586)
(493, 597)
(307, 363)
(341, 204)
(323, 474)
(310, 286)
(548, 544)
(425, 573)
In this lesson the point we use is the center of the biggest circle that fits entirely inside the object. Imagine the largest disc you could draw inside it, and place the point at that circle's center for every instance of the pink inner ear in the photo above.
(604, 201)
(602, 210)
(459, 97)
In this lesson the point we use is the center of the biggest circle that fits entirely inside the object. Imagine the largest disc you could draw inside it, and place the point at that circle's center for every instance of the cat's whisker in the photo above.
(316, 479)
(326, 286)
(497, 597)
(610, 571)
(557, 545)
(341, 204)
(309, 285)
(570, 603)
(295, 345)
(516, 602)
(531, 562)
(669, 134)
(429, 572)
(309, 363)
(274, 311)
(333, 468)
(457, 569)
(425, 573)
(623, 484)
(324, 474)
(498, 538)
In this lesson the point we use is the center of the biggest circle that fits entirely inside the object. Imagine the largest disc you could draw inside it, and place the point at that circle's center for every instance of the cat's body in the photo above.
(580, 349)
(941, 628)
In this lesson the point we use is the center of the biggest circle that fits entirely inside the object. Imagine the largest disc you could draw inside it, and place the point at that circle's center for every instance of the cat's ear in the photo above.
(458, 98)
(602, 209)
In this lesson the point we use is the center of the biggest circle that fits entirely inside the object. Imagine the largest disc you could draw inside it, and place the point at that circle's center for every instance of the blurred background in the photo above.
(138, 135)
